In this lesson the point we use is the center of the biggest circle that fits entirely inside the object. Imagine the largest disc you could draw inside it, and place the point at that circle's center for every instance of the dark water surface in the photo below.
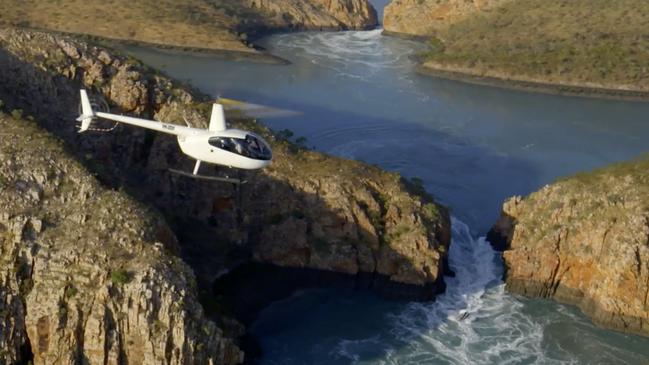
(473, 147)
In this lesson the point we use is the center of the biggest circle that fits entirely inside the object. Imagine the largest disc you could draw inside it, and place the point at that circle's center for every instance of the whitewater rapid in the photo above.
(473, 322)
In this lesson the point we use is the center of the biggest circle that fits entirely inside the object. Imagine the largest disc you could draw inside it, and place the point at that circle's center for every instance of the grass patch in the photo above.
(17, 114)
(555, 40)
(120, 277)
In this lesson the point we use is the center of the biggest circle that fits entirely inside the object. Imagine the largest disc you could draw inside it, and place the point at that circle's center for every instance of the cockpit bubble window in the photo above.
(251, 147)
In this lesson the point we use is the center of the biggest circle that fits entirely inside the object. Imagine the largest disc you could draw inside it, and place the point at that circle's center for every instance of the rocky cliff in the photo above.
(584, 240)
(307, 210)
(297, 14)
(87, 275)
(427, 17)
(196, 24)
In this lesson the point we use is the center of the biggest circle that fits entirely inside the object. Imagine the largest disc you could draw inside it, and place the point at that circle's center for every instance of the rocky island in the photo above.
(584, 240)
(571, 47)
(307, 212)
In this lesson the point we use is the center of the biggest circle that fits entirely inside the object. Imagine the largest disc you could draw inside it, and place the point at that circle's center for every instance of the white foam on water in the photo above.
(473, 322)
(354, 54)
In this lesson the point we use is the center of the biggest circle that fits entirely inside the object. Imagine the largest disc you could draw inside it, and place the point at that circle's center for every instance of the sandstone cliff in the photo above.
(198, 24)
(298, 14)
(87, 275)
(427, 17)
(584, 240)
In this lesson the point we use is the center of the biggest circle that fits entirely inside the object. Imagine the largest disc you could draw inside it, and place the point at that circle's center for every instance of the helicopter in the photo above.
(216, 145)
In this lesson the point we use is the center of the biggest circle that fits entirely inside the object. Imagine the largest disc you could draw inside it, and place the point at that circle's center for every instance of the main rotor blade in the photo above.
(256, 110)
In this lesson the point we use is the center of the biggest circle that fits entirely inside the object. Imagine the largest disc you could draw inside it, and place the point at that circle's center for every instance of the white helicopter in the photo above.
(215, 145)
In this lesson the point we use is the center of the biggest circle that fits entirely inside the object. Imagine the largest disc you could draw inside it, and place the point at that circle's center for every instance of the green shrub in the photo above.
(17, 114)
(431, 212)
(301, 141)
(435, 45)
(120, 277)
(70, 292)
(285, 134)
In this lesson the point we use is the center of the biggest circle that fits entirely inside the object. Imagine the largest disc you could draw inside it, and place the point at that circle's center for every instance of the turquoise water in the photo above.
(473, 147)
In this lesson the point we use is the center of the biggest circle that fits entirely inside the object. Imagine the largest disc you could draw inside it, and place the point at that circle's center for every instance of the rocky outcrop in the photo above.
(87, 275)
(351, 218)
(427, 17)
(314, 14)
(584, 240)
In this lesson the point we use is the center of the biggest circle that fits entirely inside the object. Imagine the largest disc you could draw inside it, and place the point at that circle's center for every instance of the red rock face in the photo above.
(314, 14)
(584, 241)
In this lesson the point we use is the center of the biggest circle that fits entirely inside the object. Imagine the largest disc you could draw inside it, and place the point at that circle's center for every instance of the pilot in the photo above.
(238, 146)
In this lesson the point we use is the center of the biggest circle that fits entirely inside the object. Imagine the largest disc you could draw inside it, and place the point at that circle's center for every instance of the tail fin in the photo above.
(87, 115)
(217, 120)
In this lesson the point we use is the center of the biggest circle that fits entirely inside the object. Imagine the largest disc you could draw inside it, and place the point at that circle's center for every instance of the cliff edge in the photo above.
(584, 240)
(87, 275)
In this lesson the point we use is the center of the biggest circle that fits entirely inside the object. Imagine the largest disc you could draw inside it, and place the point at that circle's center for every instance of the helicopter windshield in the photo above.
(251, 146)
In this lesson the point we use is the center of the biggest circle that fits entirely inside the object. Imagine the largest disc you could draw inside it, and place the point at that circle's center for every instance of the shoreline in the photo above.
(256, 54)
(260, 56)
(410, 37)
(588, 305)
(575, 90)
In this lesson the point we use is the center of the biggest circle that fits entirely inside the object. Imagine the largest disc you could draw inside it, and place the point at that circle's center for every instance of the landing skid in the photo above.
(209, 178)
(195, 175)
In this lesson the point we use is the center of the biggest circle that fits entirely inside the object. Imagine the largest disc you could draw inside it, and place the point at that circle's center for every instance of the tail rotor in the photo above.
(88, 107)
